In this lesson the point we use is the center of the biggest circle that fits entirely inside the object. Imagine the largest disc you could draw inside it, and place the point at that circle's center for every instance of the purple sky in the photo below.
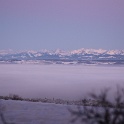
(64, 24)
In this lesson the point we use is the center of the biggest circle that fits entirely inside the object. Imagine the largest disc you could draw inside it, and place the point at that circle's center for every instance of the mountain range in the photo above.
(59, 56)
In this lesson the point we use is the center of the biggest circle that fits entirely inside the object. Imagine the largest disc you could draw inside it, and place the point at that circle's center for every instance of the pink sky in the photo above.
(69, 15)
(97, 9)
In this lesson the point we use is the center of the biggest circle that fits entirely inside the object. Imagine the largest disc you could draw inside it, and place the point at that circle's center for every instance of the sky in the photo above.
(63, 24)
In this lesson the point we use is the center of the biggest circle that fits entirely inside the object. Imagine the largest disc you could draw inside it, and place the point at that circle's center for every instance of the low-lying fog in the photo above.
(58, 81)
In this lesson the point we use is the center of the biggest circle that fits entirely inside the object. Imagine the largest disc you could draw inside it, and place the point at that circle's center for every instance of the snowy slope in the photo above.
(21, 112)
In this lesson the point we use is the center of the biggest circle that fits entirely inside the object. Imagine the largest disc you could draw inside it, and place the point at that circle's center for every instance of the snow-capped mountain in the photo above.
(61, 55)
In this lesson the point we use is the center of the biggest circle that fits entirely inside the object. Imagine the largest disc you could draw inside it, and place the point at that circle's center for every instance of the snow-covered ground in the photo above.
(22, 112)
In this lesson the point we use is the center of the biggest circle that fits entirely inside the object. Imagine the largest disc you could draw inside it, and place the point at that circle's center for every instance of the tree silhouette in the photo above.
(106, 112)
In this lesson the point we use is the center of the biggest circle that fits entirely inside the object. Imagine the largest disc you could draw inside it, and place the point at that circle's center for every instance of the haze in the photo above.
(57, 81)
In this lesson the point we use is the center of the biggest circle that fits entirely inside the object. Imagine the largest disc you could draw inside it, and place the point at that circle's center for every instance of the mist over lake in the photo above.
(58, 81)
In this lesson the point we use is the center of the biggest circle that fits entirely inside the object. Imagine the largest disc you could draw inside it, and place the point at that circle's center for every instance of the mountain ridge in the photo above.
(61, 55)
(59, 51)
